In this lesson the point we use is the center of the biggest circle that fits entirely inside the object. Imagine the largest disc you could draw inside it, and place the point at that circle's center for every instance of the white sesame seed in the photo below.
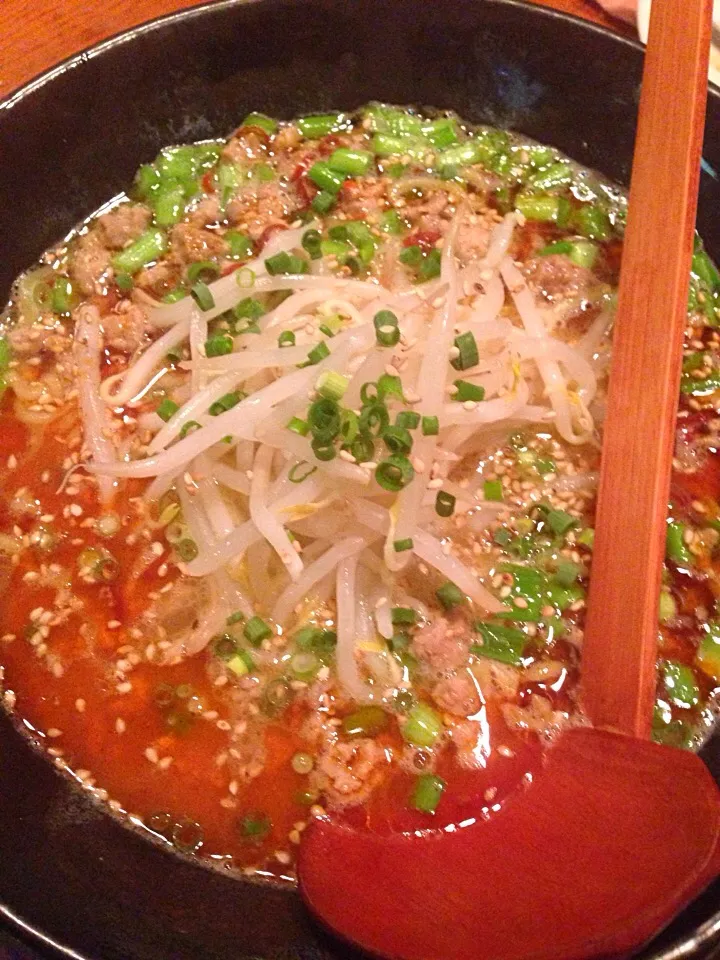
(120, 725)
(152, 754)
(80, 705)
(124, 687)
(113, 624)
(157, 548)
(164, 763)
(469, 404)
(53, 733)
(11, 462)
(76, 510)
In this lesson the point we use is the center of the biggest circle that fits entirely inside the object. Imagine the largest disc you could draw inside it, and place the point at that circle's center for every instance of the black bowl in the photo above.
(71, 878)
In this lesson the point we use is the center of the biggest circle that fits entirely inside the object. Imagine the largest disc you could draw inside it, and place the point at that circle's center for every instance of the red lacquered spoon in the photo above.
(616, 834)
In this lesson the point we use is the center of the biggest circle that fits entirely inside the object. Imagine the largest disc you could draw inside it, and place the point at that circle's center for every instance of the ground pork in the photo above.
(255, 209)
(472, 239)
(538, 716)
(457, 694)
(498, 681)
(426, 215)
(442, 645)
(245, 146)
(347, 772)
(206, 212)
(467, 738)
(544, 671)
(27, 341)
(191, 244)
(286, 138)
(123, 224)
(125, 326)
(557, 277)
(360, 200)
(247, 754)
(88, 262)
(159, 278)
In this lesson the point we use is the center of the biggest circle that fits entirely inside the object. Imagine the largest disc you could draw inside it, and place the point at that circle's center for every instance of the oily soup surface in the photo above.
(300, 447)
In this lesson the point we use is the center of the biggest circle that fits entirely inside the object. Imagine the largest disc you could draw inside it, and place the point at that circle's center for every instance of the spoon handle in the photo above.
(621, 632)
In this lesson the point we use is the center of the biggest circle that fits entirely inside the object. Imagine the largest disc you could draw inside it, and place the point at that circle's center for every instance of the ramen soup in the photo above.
(300, 443)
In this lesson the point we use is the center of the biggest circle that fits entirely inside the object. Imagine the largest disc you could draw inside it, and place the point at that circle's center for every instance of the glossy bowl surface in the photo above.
(71, 879)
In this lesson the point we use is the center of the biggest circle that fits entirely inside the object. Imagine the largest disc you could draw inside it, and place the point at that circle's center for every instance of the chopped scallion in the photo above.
(560, 521)
(411, 256)
(430, 426)
(397, 439)
(205, 270)
(311, 244)
(468, 391)
(331, 385)
(226, 402)
(394, 473)
(202, 295)
(301, 471)
(403, 615)
(166, 409)
(323, 202)
(427, 792)
(320, 125)
(317, 354)
(450, 595)
(190, 427)
(422, 727)
(430, 266)
(408, 419)
(218, 345)
(285, 263)
(444, 504)
(298, 426)
(241, 246)
(468, 355)
(256, 630)
(260, 120)
(493, 490)
(327, 179)
(353, 163)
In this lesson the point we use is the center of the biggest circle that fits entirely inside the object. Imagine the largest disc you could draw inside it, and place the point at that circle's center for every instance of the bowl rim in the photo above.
(74, 60)
(708, 931)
